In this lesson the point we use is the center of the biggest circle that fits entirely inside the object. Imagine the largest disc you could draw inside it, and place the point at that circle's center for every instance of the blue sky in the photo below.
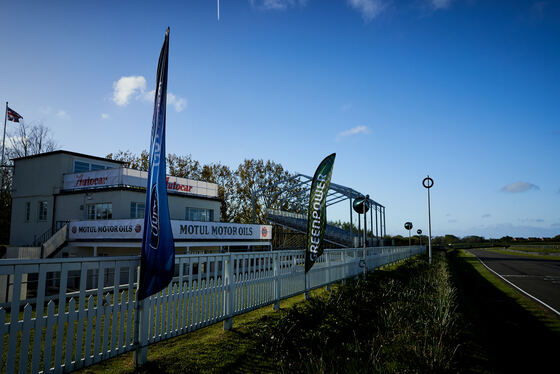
(463, 90)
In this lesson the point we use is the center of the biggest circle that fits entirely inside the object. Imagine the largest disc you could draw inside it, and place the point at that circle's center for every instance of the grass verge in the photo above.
(396, 321)
(505, 331)
(533, 254)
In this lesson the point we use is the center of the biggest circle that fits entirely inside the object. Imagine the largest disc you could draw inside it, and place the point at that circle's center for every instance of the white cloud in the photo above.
(126, 87)
(353, 131)
(368, 8)
(177, 102)
(276, 4)
(519, 187)
(104, 116)
(135, 87)
(440, 4)
(62, 114)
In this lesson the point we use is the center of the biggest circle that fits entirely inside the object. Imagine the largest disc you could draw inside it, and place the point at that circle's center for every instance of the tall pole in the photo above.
(351, 225)
(359, 229)
(429, 230)
(376, 225)
(4, 137)
(409, 238)
(429, 183)
(371, 224)
(365, 204)
(384, 232)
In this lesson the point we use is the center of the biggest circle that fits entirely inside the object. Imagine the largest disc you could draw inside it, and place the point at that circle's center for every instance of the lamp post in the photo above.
(419, 232)
(429, 183)
(361, 206)
(408, 226)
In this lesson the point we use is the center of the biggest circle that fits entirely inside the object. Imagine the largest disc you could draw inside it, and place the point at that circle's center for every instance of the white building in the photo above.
(71, 204)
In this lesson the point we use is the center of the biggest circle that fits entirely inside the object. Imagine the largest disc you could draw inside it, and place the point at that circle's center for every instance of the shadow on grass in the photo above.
(504, 336)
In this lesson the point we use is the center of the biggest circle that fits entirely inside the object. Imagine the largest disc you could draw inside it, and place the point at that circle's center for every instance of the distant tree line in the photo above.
(446, 240)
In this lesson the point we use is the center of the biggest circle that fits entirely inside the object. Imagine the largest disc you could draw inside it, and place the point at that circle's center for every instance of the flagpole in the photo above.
(4, 136)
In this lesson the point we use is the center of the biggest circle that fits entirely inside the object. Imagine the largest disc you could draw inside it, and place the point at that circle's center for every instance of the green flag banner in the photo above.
(317, 211)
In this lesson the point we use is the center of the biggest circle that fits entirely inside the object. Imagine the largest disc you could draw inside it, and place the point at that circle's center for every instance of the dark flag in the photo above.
(158, 249)
(317, 211)
(13, 115)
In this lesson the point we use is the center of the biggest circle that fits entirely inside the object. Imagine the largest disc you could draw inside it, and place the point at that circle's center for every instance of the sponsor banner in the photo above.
(107, 229)
(119, 229)
(91, 179)
(157, 261)
(317, 211)
(136, 178)
(219, 230)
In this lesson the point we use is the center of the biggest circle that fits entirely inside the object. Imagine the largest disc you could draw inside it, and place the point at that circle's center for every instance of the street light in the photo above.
(361, 206)
(419, 232)
(429, 183)
(408, 226)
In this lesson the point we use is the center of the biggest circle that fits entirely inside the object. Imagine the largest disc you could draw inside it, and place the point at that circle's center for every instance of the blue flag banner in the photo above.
(158, 249)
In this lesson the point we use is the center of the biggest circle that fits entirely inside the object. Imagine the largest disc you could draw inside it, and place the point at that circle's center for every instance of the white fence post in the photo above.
(276, 268)
(327, 253)
(229, 292)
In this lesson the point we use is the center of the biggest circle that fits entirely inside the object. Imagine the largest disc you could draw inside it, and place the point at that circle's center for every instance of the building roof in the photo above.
(68, 153)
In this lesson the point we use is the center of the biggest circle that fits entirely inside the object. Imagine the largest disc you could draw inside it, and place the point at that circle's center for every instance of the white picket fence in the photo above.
(67, 314)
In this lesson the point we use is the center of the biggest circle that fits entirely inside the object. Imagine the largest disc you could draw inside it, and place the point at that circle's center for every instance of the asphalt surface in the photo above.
(540, 278)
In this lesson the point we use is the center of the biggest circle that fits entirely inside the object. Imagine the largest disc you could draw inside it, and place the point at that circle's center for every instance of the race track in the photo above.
(538, 277)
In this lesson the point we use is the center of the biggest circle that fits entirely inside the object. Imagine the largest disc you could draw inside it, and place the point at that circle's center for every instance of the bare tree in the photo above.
(28, 140)
(24, 140)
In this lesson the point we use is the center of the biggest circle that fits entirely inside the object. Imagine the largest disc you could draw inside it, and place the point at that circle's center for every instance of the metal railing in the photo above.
(87, 306)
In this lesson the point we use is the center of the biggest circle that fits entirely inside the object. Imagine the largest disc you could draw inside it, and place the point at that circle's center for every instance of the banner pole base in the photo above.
(140, 354)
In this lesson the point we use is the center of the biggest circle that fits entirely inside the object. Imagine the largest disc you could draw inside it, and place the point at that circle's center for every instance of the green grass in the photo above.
(505, 331)
(544, 249)
(534, 254)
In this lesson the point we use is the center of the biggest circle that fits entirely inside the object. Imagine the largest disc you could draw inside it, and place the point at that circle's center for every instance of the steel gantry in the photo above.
(293, 192)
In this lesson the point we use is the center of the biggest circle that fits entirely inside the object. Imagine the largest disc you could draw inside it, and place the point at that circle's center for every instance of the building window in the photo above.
(100, 211)
(199, 214)
(97, 167)
(80, 167)
(27, 211)
(42, 211)
(137, 210)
